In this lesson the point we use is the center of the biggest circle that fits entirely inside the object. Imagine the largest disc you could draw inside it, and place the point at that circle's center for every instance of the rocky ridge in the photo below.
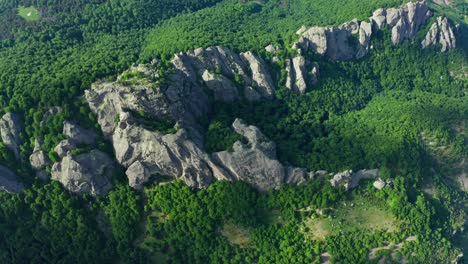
(352, 40)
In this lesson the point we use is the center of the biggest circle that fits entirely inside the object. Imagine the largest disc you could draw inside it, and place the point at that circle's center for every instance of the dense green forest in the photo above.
(400, 109)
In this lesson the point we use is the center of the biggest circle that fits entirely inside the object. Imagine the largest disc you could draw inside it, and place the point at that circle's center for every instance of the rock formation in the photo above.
(9, 182)
(352, 40)
(296, 70)
(10, 129)
(440, 33)
(148, 153)
(351, 180)
(64, 147)
(256, 162)
(85, 173)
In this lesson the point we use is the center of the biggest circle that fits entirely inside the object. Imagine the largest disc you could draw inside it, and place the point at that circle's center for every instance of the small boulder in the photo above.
(39, 160)
(379, 184)
(222, 87)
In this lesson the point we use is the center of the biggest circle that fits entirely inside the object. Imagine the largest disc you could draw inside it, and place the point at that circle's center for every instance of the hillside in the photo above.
(227, 131)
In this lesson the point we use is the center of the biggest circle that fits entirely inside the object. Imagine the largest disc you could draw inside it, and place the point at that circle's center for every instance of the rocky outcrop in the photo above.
(39, 160)
(261, 78)
(407, 21)
(351, 180)
(78, 134)
(9, 182)
(223, 89)
(296, 70)
(352, 40)
(255, 162)
(315, 73)
(10, 129)
(88, 173)
(440, 33)
(149, 153)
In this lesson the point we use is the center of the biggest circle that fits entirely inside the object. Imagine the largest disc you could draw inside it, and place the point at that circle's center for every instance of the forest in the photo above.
(400, 109)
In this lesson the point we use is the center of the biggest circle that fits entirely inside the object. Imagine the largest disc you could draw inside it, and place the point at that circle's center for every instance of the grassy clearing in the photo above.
(29, 13)
(275, 217)
(236, 235)
(358, 214)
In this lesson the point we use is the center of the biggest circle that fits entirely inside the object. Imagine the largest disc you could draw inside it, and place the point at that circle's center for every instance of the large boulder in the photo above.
(88, 173)
(440, 33)
(9, 182)
(10, 129)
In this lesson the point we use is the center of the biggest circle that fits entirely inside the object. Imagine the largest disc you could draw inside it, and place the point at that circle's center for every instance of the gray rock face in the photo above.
(300, 72)
(10, 129)
(314, 38)
(351, 180)
(222, 87)
(260, 76)
(441, 32)
(147, 153)
(9, 182)
(86, 173)
(271, 49)
(255, 162)
(78, 134)
(365, 32)
(379, 18)
(339, 43)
